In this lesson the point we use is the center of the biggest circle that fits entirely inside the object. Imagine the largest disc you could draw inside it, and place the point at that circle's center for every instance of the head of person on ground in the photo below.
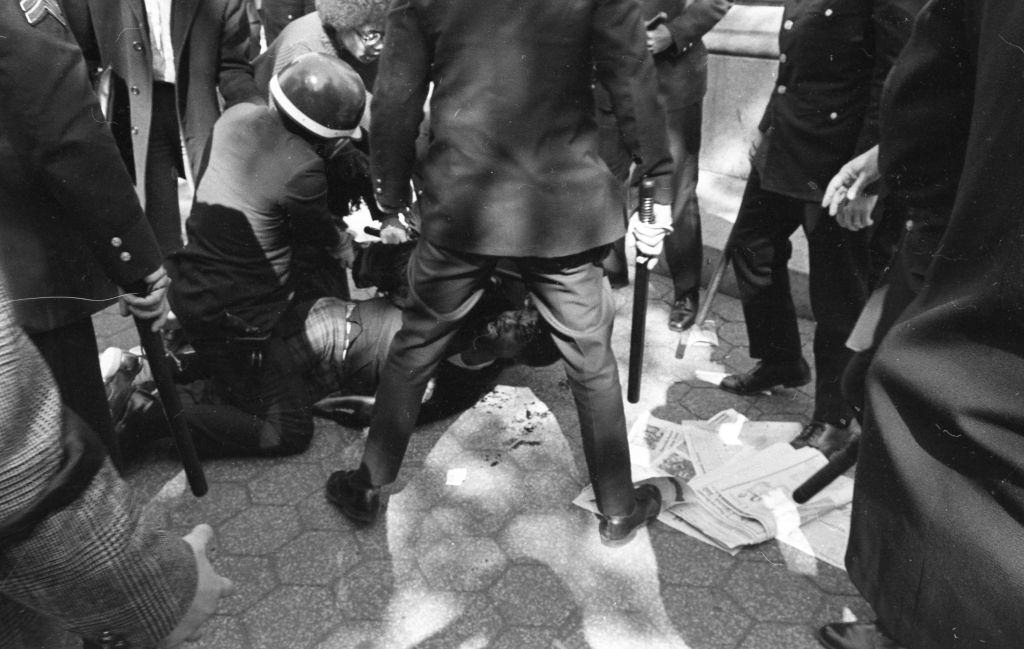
(354, 26)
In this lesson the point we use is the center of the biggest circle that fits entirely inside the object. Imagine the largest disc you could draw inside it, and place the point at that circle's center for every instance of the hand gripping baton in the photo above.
(153, 346)
(639, 324)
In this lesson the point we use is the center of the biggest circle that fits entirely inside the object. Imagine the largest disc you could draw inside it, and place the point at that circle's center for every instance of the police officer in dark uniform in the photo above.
(834, 57)
(71, 227)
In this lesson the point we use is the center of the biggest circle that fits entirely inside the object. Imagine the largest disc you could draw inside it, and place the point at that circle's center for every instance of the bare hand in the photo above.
(209, 589)
(659, 39)
(153, 305)
(849, 182)
(855, 214)
(650, 237)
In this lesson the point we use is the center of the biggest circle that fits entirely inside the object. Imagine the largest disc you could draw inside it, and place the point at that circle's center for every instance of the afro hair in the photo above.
(342, 15)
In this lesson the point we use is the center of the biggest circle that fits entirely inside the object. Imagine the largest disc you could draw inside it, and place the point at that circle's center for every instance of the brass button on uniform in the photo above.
(135, 130)
(833, 115)
(783, 58)
(909, 225)
(135, 90)
(126, 256)
(828, 13)
(137, 46)
(116, 242)
(787, 25)
(781, 90)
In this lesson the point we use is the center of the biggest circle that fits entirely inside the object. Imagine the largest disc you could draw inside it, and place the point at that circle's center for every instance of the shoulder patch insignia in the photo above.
(36, 10)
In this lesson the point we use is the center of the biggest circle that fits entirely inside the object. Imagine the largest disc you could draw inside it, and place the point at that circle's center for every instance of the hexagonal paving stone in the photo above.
(706, 402)
(832, 580)
(222, 632)
(286, 483)
(734, 333)
(544, 491)
(686, 561)
(363, 593)
(316, 558)
(253, 578)
(728, 308)
(837, 607)
(526, 638)
(705, 617)
(463, 564)
(532, 595)
(232, 470)
(224, 500)
(770, 592)
(259, 530)
(477, 626)
(767, 635)
(292, 616)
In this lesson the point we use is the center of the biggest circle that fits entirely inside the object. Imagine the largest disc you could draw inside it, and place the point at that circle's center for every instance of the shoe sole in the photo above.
(355, 517)
(747, 393)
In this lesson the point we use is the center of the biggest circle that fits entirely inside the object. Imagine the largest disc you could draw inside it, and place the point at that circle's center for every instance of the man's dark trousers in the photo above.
(838, 277)
(573, 298)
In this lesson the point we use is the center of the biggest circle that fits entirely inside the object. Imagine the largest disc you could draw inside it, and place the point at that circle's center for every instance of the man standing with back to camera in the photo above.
(512, 171)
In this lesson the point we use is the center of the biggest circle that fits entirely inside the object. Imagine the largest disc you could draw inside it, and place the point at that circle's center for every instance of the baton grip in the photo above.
(826, 475)
(639, 323)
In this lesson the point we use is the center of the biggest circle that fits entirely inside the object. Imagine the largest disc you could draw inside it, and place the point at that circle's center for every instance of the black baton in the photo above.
(153, 346)
(826, 475)
(639, 325)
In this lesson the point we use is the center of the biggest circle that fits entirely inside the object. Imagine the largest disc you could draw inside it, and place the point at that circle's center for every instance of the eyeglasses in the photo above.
(371, 37)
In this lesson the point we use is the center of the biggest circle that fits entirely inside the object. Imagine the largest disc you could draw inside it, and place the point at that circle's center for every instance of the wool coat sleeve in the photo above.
(397, 107)
(235, 75)
(626, 69)
(92, 564)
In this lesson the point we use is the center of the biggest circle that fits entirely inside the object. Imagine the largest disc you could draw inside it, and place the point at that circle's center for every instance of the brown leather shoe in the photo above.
(767, 375)
(827, 438)
(854, 635)
(617, 529)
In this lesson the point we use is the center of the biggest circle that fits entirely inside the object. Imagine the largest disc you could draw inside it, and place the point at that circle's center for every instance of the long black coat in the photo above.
(938, 511)
(69, 218)
(834, 57)
(511, 165)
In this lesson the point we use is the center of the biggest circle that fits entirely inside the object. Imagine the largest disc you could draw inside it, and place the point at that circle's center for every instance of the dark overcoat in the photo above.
(511, 165)
(210, 39)
(938, 510)
(69, 219)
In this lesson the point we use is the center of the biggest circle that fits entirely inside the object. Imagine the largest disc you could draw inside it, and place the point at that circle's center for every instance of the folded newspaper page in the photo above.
(739, 476)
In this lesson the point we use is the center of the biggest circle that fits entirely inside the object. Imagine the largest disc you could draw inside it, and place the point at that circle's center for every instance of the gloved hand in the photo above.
(650, 237)
(153, 305)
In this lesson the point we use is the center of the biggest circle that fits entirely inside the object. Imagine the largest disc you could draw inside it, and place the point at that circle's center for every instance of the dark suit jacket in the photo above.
(682, 68)
(69, 219)
(835, 55)
(210, 42)
(938, 509)
(511, 167)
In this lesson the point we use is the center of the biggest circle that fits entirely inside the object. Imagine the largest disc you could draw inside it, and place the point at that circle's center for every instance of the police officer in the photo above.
(71, 228)
(834, 57)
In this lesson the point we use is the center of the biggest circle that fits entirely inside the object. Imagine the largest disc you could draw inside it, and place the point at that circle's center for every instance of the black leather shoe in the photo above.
(827, 438)
(361, 504)
(766, 376)
(646, 507)
(352, 410)
(854, 635)
(684, 311)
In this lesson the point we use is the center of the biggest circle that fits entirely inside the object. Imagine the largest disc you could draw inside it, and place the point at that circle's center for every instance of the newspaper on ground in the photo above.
(739, 476)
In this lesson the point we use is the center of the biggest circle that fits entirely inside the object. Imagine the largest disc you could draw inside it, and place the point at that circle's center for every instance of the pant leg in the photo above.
(839, 279)
(250, 411)
(573, 299)
(760, 249)
(71, 354)
(443, 287)
(163, 161)
(684, 247)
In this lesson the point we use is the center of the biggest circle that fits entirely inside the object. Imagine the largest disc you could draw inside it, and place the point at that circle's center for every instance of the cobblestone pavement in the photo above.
(503, 560)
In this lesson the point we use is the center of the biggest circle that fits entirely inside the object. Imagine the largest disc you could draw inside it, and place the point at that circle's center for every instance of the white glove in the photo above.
(650, 237)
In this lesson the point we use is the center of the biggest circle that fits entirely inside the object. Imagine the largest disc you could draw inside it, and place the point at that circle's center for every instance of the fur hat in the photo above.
(342, 15)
